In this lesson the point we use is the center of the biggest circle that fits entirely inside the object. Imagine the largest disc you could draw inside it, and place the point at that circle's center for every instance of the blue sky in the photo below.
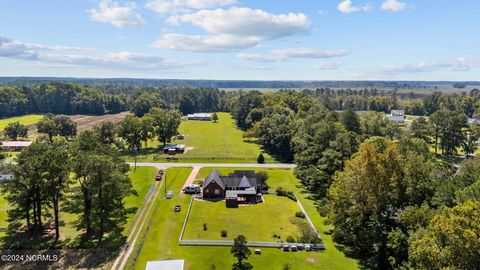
(242, 39)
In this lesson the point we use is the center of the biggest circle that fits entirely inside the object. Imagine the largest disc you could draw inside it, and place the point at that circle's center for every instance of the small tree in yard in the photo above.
(241, 252)
(215, 117)
(260, 159)
(15, 130)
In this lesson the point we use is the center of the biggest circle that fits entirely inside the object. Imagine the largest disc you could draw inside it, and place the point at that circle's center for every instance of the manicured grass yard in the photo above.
(207, 141)
(161, 241)
(26, 120)
(257, 222)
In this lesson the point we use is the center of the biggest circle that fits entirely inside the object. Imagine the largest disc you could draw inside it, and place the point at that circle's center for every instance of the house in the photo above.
(200, 116)
(397, 113)
(173, 149)
(473, 121)
(241, 186)
(165, 265)
(5, 174)
(15, 145)
(397, 116)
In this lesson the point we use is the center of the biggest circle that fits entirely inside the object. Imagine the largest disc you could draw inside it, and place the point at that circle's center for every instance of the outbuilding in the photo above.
(15, 145)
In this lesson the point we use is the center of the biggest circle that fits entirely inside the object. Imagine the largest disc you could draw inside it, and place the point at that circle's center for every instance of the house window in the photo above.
(206, 190)
(217, 191)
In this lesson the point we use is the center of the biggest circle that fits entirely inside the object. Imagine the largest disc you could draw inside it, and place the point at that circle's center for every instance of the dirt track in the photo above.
(85, 122)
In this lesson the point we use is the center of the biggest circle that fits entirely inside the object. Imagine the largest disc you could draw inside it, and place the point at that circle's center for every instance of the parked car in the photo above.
(169, 194)
(258, 251)
(159, 177)
(161, 171)
(308, 248)
(300, 247)
(177, 208)
(286, 248)
(293, 248)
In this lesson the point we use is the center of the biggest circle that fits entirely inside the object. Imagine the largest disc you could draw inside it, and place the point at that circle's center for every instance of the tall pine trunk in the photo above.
(55, 210)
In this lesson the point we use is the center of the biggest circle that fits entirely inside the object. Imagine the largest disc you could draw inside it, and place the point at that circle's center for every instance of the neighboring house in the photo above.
(200, 116)
(473, 121)
(397, 116)
(397, 113)
(238, 187)
(15, 145)
(173, 149)
(5, 174)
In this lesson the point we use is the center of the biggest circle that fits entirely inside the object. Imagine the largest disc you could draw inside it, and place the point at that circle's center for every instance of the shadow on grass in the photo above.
(82, 252)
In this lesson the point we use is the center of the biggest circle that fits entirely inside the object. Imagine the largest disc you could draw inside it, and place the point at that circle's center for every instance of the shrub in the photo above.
(300, 214)
(205, 226)
(290, 239)
(260, 159)
(281, 192)
(223, 233)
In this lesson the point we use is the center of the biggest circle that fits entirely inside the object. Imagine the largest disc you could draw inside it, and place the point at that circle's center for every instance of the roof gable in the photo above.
(244, 183)
(214, 176)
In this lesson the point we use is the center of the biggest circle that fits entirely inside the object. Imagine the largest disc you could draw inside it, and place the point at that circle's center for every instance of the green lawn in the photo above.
(211, 142)
(255, 221)
(161, 240)
(26, 120)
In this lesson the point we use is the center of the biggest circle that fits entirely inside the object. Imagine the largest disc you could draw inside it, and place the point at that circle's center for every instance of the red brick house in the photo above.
(238, 187)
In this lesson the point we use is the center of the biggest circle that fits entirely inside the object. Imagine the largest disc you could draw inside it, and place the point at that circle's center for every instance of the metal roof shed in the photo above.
(165, 265)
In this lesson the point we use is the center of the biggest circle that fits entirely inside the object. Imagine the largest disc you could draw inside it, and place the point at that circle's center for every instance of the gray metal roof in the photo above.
(165, 265)
(235, 193)
(214, 176)
(242, 179)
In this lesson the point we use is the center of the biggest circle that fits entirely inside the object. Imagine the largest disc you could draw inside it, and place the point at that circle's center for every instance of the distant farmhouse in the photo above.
(397, 116)
(15, 145)
(173, 149)
(5, 174)
(473, 121)
(238, 187)
(200, 116)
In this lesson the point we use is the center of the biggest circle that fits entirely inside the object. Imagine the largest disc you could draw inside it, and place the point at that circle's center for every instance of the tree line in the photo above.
(70, 98)
(394, 198)
(83, 175)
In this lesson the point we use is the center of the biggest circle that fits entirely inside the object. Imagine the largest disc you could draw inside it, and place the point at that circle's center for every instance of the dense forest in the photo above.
(399, 197)
(132, 83)
(69, 99)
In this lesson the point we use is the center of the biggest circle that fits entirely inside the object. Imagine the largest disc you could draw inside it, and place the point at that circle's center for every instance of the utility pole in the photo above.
(165, 180)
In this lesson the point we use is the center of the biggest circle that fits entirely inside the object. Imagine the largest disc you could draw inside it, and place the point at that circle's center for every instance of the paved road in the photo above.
(218, 165)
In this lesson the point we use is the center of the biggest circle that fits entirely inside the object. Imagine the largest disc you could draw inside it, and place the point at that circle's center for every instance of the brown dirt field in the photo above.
(85, 122)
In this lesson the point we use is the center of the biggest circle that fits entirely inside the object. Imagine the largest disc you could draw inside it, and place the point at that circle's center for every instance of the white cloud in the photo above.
(74, 56)
(459, 64)
(16, 49)
(393, 5)
(246, 22)
(280, 55)
(347, 7)
(203, 43)
(232, 29)
(328, 65)
(119, 16)
(120, 60)
(183, 6)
